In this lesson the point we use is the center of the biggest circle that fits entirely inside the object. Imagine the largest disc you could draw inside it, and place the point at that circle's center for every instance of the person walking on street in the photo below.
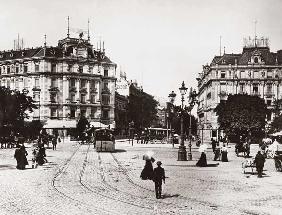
(213, 143)
(54, 142)
(224, 152)
(159, 176)
(259, 161)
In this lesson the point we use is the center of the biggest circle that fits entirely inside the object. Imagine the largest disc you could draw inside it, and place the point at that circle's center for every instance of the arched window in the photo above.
(255, 60)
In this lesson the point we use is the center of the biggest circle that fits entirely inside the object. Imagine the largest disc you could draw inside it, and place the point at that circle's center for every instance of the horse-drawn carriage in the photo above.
(242, 148)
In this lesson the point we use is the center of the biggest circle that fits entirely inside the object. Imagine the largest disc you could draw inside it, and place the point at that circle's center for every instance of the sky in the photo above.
(158, 43)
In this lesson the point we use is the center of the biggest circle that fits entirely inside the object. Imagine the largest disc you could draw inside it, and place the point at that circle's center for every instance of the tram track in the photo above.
(62, 169)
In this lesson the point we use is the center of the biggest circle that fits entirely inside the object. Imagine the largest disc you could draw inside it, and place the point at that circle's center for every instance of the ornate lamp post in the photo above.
(131, 131)
(182, 154)
(192, 100)
(171, 97)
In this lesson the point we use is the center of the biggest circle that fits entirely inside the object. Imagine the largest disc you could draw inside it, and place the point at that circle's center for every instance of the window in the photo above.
(25, 83)
(53, 67)
(83, 98)
(93, 85)
(105, 99)
(53, 112)
(256, 74)
(80, 69)
(83, 83)
(105, 114)
(17, 69)
(269, 74)
(269, 88)
(8, 70)
(53, 98)
(53, 82)
(93, 111)
(268, 102)
(92, 99)
(242, 74)
(36, 67)
(255, 60)
(72, 113)
(106, 73)
(8, 83)
(209, 95)
(72, 82)
(242, 88)
(106, 86)
(222, 74)
(37, 83)
(72, 97)
(83, 112)
(25, 68)
(255, 88)
(17, 84)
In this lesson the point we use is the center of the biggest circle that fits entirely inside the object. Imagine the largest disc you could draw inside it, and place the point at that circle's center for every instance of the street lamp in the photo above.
(131, 132)
(192, 100)
(182, 154)
(171, 97)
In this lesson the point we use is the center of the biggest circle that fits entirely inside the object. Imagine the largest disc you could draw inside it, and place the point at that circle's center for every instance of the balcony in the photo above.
(83, 90)
(106, 91)
(54, 89)
(73, 89)
(36, 88)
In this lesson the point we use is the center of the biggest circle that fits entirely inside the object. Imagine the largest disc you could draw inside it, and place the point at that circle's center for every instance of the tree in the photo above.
(81, 126)
(13, 110)
(242, 115)
(142, 108)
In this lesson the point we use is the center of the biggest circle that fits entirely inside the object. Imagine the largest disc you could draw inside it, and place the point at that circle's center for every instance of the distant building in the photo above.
(255, 71)
(66, 81)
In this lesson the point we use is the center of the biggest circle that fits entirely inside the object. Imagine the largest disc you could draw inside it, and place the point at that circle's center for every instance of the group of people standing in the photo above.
(220, 150)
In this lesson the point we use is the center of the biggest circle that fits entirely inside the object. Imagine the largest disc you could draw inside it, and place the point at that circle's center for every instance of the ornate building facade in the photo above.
(255, 71)
(66, 81)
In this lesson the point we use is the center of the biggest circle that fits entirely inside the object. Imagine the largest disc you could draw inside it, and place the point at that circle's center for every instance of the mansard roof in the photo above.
(268, 58)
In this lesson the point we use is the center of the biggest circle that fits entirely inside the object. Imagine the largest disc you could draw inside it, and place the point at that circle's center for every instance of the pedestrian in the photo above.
(41, 156)
(148, 171)
(217, 152)
(54, 142)
(224, 152)
(17, 156)
(159, 177)
(259, 161)
(202, 162)
(22, 158)
(34, 157)
(213, 143)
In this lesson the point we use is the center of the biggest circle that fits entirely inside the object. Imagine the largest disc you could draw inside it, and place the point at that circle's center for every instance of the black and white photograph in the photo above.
(141, 107)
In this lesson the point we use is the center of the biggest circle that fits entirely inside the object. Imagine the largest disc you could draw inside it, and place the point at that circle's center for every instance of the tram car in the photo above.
(104, 140)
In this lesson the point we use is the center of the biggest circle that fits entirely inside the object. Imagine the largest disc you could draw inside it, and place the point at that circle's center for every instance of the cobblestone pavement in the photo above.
(78, 180)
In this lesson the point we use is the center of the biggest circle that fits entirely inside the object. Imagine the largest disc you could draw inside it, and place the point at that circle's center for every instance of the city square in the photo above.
(78, 180)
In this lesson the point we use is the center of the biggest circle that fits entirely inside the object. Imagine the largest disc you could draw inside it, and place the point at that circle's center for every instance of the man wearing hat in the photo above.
(159, 176)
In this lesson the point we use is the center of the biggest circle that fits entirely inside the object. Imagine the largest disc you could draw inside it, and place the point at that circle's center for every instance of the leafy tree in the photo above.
(276, 125)
(142, 108)
(13, 110)
(81, 126)
(176, 121)
(242, 115)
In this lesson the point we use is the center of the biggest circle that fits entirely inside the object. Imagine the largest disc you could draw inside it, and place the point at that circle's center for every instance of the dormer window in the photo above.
(222, 74)
(11, 55)
(256, 60)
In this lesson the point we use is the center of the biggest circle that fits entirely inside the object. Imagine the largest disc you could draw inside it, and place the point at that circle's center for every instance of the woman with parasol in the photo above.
(147, 172)
(202, 162)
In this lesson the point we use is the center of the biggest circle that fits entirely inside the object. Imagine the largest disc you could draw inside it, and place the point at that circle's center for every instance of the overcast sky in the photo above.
(160, 43)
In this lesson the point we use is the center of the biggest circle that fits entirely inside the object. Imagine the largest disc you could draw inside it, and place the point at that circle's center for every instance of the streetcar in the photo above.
(104, 140)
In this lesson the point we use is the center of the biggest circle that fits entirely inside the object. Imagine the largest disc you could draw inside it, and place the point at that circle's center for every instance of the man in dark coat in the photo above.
(259, 161)
(17, 155)
(159, 176)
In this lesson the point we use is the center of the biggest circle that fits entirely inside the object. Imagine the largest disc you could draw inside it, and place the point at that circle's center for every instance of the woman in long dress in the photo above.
(224, 152)
(147, 172)
(202, 162)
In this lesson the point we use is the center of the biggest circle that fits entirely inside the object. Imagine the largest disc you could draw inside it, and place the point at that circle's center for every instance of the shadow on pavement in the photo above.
(119, 150)
(165, 196)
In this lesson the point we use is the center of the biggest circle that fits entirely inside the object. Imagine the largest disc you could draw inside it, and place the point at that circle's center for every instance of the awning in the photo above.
(60, 124)
(98, 125)
(277, 134)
